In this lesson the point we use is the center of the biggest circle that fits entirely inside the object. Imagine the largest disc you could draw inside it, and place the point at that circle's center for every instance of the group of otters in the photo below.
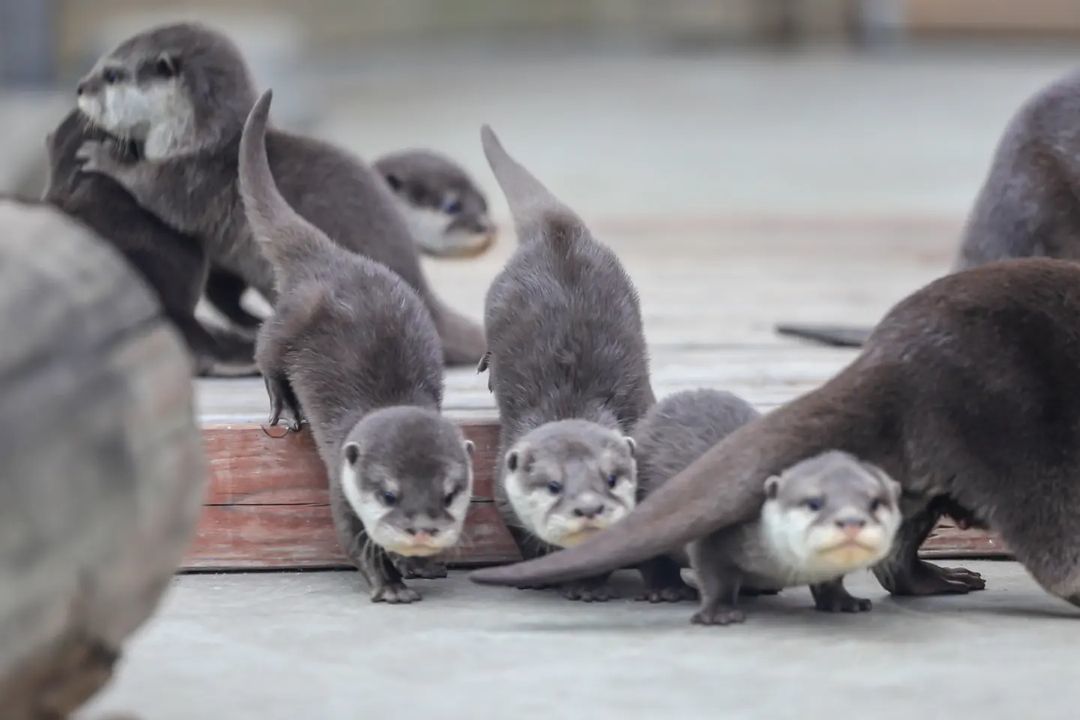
(965, 400)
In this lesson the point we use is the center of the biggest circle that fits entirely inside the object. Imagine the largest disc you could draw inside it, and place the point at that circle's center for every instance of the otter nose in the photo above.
(589, 512)
(81, 87)
(429, 531)
(851, 525)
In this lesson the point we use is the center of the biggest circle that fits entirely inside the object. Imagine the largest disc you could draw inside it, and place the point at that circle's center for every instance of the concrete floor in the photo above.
(310, 645)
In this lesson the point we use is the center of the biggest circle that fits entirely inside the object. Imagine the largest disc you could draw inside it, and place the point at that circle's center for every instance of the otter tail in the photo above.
(835, 335)
(284, 236)
(721, 488)
(537, 213)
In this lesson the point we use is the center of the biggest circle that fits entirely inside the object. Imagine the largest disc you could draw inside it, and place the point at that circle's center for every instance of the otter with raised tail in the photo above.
(1027, 206)
(445, 209)
(351, 347)
(182, 92)
(967, 394)
(568, 366)
(822, 518)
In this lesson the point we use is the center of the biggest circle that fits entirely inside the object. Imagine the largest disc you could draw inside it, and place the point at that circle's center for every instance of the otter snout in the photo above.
(590, 511)
(851, 526)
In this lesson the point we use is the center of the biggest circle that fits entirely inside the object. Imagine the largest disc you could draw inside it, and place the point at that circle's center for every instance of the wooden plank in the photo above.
(1047, 16)
(245, 537)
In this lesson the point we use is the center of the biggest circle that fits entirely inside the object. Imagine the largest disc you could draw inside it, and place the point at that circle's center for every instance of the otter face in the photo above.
(173, 89)
(831, 514)
(407, 474)
(570, 479)
(446, 212)
(133, 95)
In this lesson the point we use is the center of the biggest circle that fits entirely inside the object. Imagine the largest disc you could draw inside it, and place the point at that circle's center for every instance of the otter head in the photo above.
(831, 514)
(173, 89)
(447, 213)
(569, 479)
(407, 474)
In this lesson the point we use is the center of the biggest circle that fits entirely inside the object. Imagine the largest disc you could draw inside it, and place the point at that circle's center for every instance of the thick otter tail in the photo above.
(721, 488)
(284, 236)
(836, 335)
(537, 213)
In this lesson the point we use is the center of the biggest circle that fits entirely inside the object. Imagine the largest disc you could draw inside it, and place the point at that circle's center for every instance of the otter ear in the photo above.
(772, 487)
(519, 458)
(352, 454)
(470, 447)
(631, 444)
(512, 460)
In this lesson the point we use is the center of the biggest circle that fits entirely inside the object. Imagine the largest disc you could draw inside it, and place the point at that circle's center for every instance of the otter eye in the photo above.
(110, 76)
(389, 498)
(612, 481)
(165, 67)
(449, 498)
(554, 487)
(813, 504)
(876, 505)
(452, 206)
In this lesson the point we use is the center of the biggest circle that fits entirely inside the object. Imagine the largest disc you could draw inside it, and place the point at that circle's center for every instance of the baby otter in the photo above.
(351, 346)
(568, 366)
(445, 209)
(183, 92)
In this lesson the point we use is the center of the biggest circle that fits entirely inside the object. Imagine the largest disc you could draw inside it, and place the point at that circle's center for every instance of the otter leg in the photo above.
(718, 583)
(372, 561)
(903, 573)
(663, 581)
(224, 290)
(81, 674)
(270, 357)
(832, 596)
(594, 589)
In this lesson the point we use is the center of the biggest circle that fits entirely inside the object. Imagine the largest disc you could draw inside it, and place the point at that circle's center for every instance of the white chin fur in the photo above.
(372, 512)
(562, 530)
(816, 553)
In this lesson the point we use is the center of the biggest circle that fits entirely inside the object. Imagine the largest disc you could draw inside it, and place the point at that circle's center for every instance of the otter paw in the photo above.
(757, 592)
(670, 594)
(929, 579)
(718, 616)
(97, 157)
(586, 592)
(395, 594)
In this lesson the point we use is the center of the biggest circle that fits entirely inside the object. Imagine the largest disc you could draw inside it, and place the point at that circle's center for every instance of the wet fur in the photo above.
(967, 394)
(173, 264)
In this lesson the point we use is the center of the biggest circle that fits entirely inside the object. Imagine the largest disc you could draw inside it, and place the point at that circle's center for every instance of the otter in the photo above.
(446, 210)
(1027, 206)
(182, 92)
(822, 518)
(351, 347)
(568, 366)
(966, 393)
(174, 265)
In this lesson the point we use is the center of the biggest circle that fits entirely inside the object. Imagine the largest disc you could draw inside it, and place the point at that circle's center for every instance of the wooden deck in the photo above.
(711, 290)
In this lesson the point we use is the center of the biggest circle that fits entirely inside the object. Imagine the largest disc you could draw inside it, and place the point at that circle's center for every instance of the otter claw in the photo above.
(668, 594)
(586, 592)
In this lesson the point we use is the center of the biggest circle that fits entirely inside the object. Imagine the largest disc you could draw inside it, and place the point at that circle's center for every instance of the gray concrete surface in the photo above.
(310, 646)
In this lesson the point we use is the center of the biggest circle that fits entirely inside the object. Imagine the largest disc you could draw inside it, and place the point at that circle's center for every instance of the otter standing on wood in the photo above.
(967, 394)
(822, 518)
(353, 347)
(182, 92)
(568, 366)
(1027, 206)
